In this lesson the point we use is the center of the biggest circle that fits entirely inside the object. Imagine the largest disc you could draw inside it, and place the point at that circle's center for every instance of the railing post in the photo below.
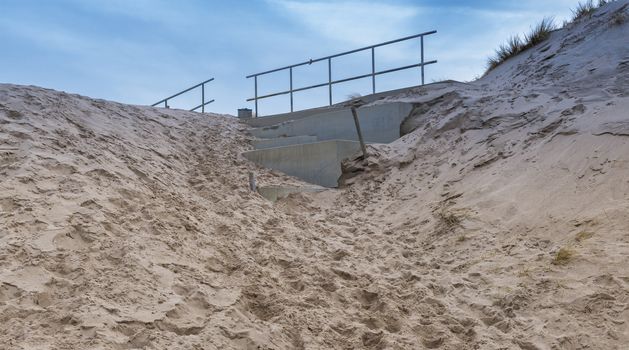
(332, 82)
(194, 87)
(255, 83)
(291, 88)
(330, 79)
(373, 70)
(422, 62)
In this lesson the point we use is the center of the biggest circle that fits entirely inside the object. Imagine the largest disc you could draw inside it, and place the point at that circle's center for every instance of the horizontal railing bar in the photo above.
(343, 53)
(182, 92)
(344, 80)
(201, 105)
(405, 67)
(288, 91)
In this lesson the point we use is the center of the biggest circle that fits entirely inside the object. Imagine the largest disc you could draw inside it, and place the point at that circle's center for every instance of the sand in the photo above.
(499, 221)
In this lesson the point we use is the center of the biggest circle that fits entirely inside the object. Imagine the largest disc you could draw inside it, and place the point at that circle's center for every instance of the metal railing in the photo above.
(331, 82)
(203, 102)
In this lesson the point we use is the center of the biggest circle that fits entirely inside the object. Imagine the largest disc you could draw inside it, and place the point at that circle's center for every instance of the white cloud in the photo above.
(352, 22)
(48, 36)
(170, 14)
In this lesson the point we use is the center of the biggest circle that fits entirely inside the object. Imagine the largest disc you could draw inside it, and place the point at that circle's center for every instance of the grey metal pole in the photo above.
(252, 181)
(202, 98)
(291, 88)
(330, 79)
(422, 62)
(255, 80)
(360, 134)
(373, 70)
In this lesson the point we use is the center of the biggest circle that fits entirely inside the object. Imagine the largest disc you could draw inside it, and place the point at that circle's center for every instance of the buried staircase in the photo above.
(311, 144)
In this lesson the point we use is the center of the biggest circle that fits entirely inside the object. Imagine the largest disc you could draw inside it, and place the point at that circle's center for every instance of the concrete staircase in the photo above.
(311, 144)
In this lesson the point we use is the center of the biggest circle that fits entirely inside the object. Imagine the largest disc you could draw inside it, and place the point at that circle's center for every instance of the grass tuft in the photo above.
(585, 9)
(515, 44)
(447, 221)
(563, 256)
(619, 17)
(540, 32)
(583, 235)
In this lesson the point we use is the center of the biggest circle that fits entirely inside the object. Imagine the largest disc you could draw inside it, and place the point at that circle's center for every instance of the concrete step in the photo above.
(283, 141)
(284, 117)
(379, 124)
(318, 163)
(311, 144)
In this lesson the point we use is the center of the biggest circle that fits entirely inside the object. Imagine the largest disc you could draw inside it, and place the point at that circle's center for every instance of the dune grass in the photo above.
(448, 221)
(541, 32)
(583, 235)
(620, 16)
(515, 44)
(585, 9)
(563, 256)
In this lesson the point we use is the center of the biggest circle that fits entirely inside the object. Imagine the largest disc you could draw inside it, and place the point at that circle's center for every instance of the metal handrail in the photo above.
(203, 102)
(331, 82)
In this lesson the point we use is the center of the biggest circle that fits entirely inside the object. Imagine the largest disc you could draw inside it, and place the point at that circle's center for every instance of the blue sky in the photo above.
(139, 51)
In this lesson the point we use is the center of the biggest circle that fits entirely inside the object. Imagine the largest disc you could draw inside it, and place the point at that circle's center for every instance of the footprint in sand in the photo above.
(73, 240)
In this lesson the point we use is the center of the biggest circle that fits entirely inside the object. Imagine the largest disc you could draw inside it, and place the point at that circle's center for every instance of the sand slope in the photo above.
(128, 227)
(496, 177)
(123, 226)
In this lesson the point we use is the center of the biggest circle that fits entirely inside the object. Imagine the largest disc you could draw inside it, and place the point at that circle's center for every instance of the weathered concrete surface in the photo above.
(283, 141)
(379, 124)
(318, 163)
(275, 192)
(284, 117)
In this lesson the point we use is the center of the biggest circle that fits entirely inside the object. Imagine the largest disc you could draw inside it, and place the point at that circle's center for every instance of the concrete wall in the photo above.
(284, 117)
(283, 141)
(318, 163)
(379, 124)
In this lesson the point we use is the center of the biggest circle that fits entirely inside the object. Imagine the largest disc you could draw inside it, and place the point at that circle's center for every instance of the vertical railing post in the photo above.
(422, 62)
(255, 80)
(374, 73)
(203, 98)
(291, 88)
(330, 79)
(373, 70)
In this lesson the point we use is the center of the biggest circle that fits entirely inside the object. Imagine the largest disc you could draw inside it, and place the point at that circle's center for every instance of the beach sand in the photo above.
(498, 221)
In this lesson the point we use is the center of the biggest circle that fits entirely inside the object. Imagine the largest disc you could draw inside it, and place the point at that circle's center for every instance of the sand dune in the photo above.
(499, 221)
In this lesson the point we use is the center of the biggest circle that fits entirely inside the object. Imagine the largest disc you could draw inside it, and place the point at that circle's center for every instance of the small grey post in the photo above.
(252, 181)
(244, 113)
(353, 106)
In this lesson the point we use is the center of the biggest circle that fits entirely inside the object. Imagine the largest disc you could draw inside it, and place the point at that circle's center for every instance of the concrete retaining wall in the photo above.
(379, 124)
(283, 117)
(318, 163)
(283, 141)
